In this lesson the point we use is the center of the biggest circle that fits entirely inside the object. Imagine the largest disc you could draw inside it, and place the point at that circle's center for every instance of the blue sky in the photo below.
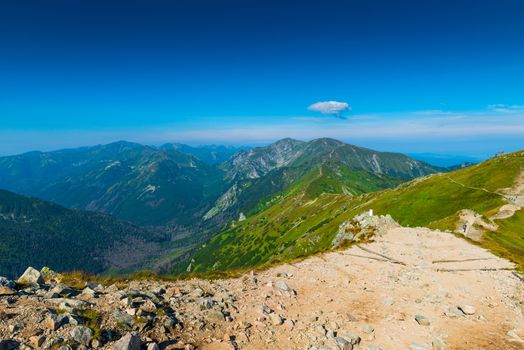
(419, 76)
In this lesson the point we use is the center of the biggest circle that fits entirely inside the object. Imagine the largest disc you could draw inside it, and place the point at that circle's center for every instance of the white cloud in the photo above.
(333, 108)
(503, 108)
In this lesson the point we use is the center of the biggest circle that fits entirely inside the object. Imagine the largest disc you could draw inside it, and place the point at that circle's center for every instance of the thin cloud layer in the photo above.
(332, 108)
(503, 108)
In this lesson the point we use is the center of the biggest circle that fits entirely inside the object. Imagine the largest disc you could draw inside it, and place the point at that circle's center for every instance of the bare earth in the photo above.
(349, 292)
(372, 292)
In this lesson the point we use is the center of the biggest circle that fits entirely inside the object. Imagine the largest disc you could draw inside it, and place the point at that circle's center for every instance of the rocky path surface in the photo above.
(410, 289)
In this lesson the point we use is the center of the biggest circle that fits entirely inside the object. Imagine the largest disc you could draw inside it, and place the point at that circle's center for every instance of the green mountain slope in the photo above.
(265, 174)
(303, 224)
(138, 183)
(38, 233)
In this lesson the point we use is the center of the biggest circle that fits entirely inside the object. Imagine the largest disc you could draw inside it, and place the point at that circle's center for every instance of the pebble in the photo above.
(418, 346)
(467, 309)
(373, 347)
(422, 320)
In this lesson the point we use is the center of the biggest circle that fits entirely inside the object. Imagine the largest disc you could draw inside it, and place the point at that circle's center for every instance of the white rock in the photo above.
(31, 276)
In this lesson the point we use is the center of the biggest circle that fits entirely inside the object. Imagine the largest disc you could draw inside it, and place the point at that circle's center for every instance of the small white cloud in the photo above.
(503, 108)
(332, 108)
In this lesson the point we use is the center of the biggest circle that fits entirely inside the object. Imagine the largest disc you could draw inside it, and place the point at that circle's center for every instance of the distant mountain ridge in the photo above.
(179, 185)
(191, 197)
(258, 174)
(288, 152)
(133, 182)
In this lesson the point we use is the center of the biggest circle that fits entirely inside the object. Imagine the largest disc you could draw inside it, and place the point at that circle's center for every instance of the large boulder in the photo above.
(122, 319)
(31, 276)
(363, 226)
(82, 335)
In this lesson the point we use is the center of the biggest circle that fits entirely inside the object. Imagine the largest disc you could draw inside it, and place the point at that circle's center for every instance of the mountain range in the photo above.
(483, 203)
(181, 196)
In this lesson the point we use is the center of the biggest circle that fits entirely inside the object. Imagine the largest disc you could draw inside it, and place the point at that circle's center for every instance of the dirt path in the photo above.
(347, 292)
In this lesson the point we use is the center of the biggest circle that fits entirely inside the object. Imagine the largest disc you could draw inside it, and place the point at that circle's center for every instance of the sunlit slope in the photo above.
(305, 222)
(426, 201)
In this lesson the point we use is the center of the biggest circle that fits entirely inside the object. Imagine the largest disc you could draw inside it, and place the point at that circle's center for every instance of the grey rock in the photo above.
(198, 292)
(206, 303)
(438, 344)
(253, 279)
(215, 316)
(68, 318)
(283, 286)
(418, 346)
(112, 288)
(82, 335)
(389, 302)
(467, 309)
(454, 312)
(88, 292)
(159, 290)
(4, 282)
(366, 328)
(69, 302)
(130, 341)
(361, 226)
(353, 338)
(343, 344)
(151, 296)
(422, 320)
(122, 319)
(373, 347)
(276, 319)
(266, 310)
(321, 330)
(52, 322)
(514, 336)
(31, 276)
(148, 306)
(60, 290)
